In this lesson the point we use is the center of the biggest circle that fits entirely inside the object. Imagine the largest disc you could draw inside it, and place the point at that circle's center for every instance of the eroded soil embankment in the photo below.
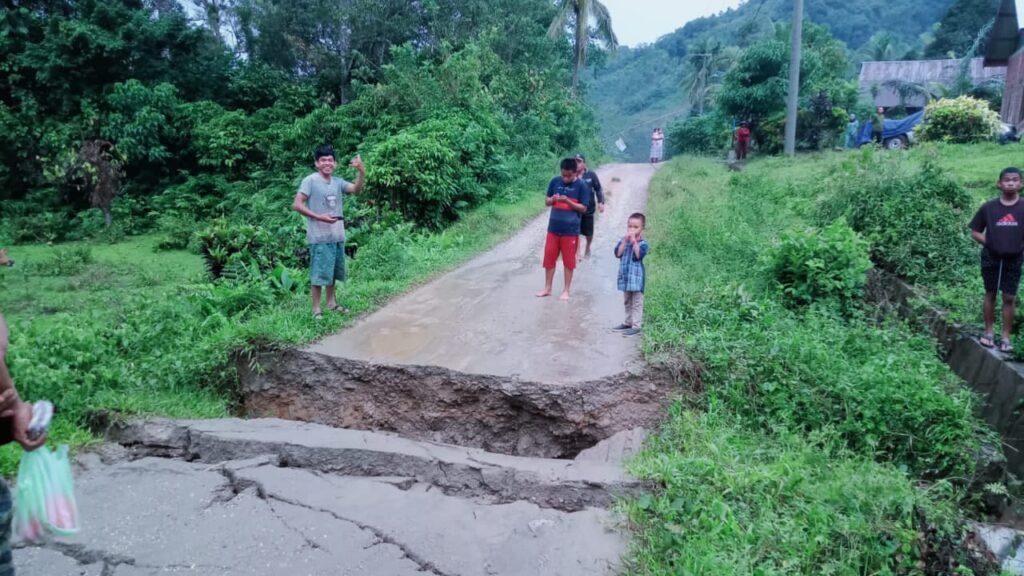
(497, 414)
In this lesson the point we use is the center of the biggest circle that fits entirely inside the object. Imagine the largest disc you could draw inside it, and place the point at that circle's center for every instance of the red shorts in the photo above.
(564, 245)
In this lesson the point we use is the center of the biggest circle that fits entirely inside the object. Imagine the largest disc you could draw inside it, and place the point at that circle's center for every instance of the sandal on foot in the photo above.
(1006, 346)
(988, 341)
(339, 308)
(318, 316)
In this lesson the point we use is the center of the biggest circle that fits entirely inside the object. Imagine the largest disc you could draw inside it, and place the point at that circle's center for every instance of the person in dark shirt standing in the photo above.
(595, 200)
(999, 228)
(567, 199)
(878, 125)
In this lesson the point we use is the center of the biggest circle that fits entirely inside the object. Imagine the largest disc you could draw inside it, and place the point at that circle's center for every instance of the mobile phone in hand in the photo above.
(42, 415)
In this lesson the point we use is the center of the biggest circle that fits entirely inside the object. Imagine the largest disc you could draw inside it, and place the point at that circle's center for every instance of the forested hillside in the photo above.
(155, 117)
(852, 22)
(644, 87)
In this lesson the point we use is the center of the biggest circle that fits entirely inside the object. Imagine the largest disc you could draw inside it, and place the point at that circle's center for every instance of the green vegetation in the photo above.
(706, 134)
(589, 19)
(638, 90)
(140, 331)
(821, 419)
(149, 158)
(207, 129)
(958, 29)
(736, 502)
(963, 120)
(853, 23)
(945, 184)
(815, 265)
(755, 89)
(873, 192)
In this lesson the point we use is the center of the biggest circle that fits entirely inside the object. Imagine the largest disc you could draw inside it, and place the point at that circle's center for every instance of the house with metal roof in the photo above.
(877, 78)
(1004, 50)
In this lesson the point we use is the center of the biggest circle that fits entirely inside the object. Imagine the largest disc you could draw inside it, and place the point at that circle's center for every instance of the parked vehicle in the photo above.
(1008, 133)
(896, 134)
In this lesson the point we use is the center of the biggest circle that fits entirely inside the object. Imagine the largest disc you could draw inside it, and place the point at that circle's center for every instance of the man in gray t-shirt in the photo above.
(319, 199)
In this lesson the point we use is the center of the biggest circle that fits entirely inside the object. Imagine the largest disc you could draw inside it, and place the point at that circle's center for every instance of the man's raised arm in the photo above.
(357, 186)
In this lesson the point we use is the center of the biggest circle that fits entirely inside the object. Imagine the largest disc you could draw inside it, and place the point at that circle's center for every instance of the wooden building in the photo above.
(1004, 49)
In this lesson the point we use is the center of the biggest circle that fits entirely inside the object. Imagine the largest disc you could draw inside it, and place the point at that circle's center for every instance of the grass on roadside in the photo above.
(818, 422)
(737, 502)
(796, 185)
(878, 389)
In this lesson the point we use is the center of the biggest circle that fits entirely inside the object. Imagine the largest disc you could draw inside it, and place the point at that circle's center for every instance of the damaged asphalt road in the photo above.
(146, 515)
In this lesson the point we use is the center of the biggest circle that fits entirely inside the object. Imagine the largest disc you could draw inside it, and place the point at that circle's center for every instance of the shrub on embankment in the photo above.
(875, 388)
(962, 120)
(913, 214)
(812, 265)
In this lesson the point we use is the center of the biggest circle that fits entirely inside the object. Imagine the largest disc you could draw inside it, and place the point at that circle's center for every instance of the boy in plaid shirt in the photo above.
(630, 251)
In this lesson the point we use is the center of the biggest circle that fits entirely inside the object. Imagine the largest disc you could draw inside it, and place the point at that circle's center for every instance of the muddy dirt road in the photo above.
(483, 318)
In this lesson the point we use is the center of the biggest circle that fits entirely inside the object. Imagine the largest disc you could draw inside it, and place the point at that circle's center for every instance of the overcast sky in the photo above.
(643, 21)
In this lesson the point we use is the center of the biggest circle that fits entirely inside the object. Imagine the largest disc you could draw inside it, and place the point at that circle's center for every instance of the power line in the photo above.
(758, 11)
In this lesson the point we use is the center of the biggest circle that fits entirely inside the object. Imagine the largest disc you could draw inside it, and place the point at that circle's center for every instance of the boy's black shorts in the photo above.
(1001, 274)
(587, 225)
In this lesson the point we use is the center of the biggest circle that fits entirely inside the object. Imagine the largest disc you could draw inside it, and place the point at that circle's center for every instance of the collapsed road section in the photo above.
(498, 414)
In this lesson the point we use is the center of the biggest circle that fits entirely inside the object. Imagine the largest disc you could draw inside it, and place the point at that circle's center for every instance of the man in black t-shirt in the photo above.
(999, 228)
(595, 200)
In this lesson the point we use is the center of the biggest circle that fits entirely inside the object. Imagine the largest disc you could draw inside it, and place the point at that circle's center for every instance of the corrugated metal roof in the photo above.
(925, 72)
(922, 71)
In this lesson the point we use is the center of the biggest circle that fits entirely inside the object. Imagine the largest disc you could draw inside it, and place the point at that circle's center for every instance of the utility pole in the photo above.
(792, 101)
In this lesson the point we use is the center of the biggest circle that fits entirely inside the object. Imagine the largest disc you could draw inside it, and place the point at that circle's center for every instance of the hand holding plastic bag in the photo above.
(44, 497)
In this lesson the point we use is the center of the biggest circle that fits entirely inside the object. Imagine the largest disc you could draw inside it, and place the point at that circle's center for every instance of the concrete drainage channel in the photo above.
(999, 384)
(396, 470)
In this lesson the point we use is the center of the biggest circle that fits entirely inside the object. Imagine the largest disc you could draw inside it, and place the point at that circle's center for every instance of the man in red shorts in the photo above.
(567, 197)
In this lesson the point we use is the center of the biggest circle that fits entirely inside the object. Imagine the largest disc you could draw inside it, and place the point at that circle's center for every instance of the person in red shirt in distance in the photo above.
(742, 141)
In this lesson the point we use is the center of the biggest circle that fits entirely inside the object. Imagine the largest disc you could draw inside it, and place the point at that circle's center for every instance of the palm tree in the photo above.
(883, 46)
(908, 90)
(581, 13)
